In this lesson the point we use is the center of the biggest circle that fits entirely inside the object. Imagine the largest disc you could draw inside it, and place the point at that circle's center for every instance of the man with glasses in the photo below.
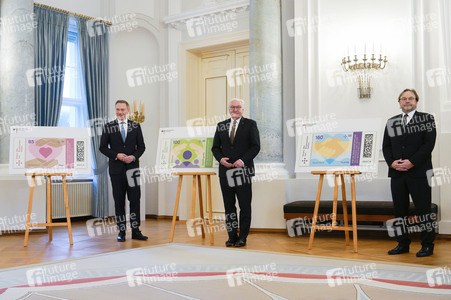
(235, 145)
(409, 139)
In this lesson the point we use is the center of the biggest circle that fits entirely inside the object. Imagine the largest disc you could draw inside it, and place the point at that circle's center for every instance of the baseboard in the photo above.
(268, 230)
(157, 217)
(22, 232)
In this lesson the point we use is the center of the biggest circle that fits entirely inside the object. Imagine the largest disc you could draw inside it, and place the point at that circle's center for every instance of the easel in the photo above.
(196, 177)
(334, 226)
(49, 223)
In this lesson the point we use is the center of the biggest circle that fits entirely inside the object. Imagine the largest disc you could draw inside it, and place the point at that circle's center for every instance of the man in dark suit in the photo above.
(409, 139)
(122, 141)
(235, 145)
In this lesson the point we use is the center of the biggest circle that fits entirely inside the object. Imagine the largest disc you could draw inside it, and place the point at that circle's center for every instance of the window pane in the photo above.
(68, 116)
(74, 107)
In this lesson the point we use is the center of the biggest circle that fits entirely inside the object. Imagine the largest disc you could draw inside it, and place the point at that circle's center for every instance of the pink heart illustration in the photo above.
(45, 151)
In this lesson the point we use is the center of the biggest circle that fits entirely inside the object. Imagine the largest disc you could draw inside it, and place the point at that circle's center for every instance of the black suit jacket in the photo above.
(246, 144)
(415, 142)
(111, 144)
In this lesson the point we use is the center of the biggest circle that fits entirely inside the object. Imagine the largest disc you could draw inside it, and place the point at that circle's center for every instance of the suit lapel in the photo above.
(240, 127)
(225, 126)
(119, 131)
(412, 122)
(129, 129)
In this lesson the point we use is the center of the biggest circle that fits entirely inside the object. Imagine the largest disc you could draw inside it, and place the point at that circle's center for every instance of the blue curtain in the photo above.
(50, 60)
(94, 54)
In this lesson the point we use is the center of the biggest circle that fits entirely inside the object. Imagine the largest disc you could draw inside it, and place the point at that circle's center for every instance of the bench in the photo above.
(371, 211)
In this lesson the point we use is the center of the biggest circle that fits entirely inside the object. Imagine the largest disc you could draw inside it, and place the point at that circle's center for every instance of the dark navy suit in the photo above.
(111, 144)
(237, 181)
(414, 142)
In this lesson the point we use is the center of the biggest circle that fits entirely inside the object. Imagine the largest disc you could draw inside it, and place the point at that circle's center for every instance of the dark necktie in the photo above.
(404, 120)
(123, 131)
(232, 133)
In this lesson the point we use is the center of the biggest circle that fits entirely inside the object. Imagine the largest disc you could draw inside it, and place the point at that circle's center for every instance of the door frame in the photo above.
(189, 71)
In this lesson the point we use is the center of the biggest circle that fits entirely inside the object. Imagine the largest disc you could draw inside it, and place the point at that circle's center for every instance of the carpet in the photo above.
(176, 271)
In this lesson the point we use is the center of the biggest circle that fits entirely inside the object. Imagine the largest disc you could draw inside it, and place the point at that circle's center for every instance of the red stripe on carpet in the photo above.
(194, 274)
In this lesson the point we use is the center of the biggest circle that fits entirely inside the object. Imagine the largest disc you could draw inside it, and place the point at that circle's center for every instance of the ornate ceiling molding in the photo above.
(179, 20)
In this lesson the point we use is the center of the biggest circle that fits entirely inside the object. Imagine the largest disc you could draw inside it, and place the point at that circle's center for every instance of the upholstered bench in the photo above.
(372, 211)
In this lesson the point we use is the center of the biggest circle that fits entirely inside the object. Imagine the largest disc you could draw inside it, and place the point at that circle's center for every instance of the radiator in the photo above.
(80, 199)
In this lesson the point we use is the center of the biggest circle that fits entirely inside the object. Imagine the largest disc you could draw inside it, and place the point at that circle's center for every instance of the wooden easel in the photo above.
(334, 226)
(49, 223)
(196, 177)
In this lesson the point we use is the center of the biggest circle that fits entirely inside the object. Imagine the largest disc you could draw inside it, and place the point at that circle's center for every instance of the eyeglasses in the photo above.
(233, 107)
(410, 99)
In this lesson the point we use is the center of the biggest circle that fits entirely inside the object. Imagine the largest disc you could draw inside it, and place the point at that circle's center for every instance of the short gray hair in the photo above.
(236, 99)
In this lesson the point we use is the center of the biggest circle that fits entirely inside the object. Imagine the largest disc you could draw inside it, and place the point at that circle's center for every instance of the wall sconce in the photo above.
(137, 114)
(364, 69)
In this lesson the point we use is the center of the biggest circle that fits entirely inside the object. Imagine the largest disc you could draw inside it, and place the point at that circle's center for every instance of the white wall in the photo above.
(129, 50)
(313, 81)
(143, 45)
(411, 40)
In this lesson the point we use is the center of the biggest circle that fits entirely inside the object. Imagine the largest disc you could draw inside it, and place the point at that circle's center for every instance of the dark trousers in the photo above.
(420, 191)
(244, 194)
(120, 189)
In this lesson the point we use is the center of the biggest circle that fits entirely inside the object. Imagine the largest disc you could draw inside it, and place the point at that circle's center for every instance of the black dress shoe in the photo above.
(230, 242)
(399, 250)
(121, 236)
(425, 251)
(240, 243)
(137, 235)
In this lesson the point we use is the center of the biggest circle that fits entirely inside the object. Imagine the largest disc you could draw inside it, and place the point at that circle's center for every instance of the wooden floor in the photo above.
(373, 246)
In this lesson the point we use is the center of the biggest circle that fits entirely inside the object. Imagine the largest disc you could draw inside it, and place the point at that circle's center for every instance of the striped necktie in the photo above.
(232, 133)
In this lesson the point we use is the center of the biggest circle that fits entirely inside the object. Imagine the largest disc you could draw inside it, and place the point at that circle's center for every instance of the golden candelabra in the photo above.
(364, 69)
(137, 115)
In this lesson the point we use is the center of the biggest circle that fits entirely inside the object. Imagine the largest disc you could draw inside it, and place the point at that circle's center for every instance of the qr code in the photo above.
(368, 146)
(80, 151)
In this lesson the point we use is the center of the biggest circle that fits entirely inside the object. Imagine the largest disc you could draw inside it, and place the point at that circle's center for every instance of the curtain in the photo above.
(50, 60)
(94, 54)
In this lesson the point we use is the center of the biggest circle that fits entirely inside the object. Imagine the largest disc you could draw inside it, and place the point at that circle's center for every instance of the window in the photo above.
(74, 108)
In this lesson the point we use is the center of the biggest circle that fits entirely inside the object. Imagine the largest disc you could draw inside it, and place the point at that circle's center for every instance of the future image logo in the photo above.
(237, 276)
(151, 274)
(52, 274)
(223, 22)
(351, 275)
(438, 276)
